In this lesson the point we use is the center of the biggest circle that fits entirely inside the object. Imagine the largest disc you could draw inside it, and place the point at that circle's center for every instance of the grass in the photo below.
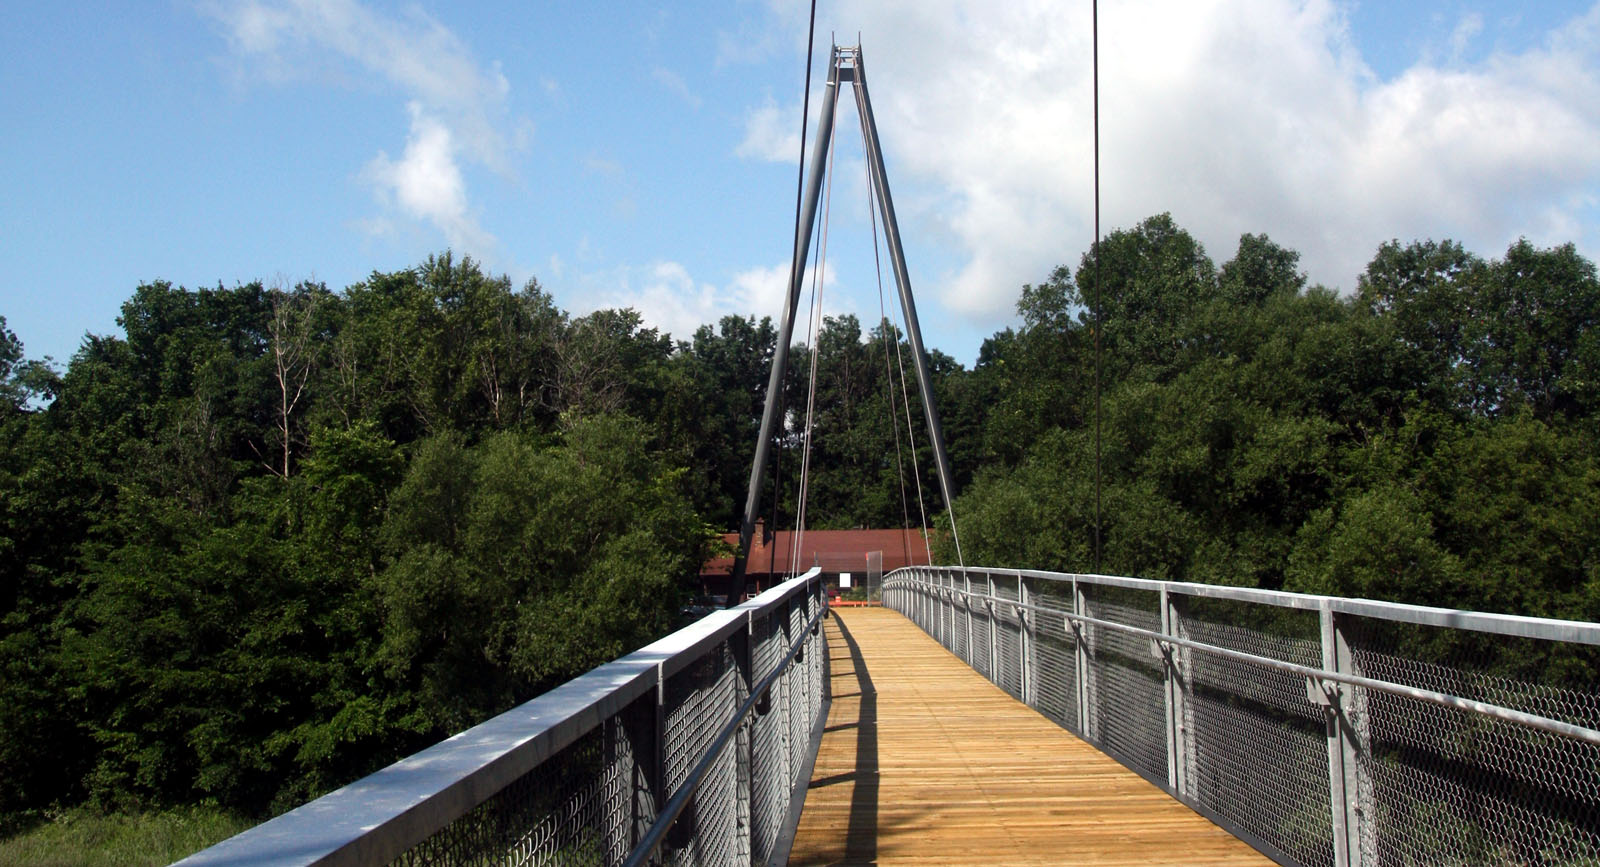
(86, 837)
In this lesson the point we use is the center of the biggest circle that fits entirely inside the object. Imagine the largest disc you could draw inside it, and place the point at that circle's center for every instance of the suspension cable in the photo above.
(1095, 31)
(916, 474)
(889, 333)
(799, 190)
(803, 483)
(818, 282)
(910, 428)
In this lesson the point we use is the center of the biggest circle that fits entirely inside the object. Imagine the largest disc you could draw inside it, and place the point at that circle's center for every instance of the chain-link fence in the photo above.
(693, 750)
(1320, 730)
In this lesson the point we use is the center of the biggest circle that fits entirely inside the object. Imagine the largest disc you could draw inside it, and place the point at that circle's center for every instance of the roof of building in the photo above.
(833, 550)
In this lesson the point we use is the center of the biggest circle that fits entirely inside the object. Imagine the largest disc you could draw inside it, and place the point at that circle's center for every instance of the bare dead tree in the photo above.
(587, 375)
(291, 333)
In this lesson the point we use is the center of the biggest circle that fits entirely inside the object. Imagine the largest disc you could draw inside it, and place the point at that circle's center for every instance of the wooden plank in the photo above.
(923, 761)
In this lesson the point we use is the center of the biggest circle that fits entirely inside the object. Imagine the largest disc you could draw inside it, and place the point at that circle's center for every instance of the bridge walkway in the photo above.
(924, 761)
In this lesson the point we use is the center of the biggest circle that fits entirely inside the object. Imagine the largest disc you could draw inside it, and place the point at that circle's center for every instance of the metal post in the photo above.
(1343, 706)
(1024, 643)
(966, 605)
(658, 758)
(1082, 634)
(780, 356)
(785, 699)
(742, 652)
(994, 637)
(943, 606)
(924, 600)
(633, 751)
(891, 233)
(1174, 673)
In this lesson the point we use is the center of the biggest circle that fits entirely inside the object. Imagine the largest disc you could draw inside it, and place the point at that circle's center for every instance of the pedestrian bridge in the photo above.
(997, 716)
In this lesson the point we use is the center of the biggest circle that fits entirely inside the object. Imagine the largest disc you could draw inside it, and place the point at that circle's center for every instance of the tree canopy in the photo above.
(273, 537)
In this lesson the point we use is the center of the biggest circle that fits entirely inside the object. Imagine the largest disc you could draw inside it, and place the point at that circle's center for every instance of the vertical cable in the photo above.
(805, 117)
(799, 189)
(889, 332)
(1094, 7)
(817, 284)
(878, 187)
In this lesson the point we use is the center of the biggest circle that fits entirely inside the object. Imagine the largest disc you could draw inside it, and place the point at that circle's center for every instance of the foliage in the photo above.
(86, 838)
(274, 538)
(1429, 439)
(271, 538)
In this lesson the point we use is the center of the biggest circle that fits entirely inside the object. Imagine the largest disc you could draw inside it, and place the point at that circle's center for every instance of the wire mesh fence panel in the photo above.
(797, 681)
(555, 814)
(1449, 786)
(960, 628)
(1008, 638)
(1053, 666)
(1056, 685)
(810, 677)
(1257, 747)
(588, 773)
(1317, 728)
(769, 760)
(980, 644)
(1127, 685)
(943, 603)
(697, 702)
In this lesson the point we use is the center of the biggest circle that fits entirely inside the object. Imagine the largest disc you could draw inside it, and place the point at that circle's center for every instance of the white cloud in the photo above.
(670, 299)
(770, 133)
(1465, 31)
(425, 183)
(457, 105)
(1235, 115)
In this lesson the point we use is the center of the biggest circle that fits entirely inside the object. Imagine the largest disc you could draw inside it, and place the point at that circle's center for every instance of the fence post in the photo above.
(925, 609)
(1174, 673)
(1024, 640)
(1082, 635)
(633, 751)
(948, 611)
(966, 605)
(994, 622)
(792, 681)
(741, 646)
(1344, 708)
(658, 757)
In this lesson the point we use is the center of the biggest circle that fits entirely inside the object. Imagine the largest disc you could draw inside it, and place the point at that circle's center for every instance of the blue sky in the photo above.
(644, 155)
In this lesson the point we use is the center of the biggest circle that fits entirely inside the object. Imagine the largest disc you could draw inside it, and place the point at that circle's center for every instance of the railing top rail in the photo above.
(1318, 675)
(376, 818)
(1545, 628)
(674, 807)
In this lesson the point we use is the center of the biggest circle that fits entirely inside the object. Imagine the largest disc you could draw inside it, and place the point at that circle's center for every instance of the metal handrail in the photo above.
(1513, 779)
(1523, 718)
(675, 806)
(1514, 625)
(379, 817)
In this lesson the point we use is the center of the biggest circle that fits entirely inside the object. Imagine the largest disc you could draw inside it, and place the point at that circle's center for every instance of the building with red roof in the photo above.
(863, 554)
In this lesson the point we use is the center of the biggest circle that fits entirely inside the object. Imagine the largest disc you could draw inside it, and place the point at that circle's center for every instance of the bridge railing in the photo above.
(1321, 730)
(718, 722)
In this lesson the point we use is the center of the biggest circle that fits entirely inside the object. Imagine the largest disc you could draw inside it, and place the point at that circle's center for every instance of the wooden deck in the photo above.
(925, 761)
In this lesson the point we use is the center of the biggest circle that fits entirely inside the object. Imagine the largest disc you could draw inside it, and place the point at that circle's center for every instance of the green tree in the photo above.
(1529, 334)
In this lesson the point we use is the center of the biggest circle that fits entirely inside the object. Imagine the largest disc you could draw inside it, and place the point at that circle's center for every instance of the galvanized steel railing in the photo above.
(1320, 730)
(717, 723)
